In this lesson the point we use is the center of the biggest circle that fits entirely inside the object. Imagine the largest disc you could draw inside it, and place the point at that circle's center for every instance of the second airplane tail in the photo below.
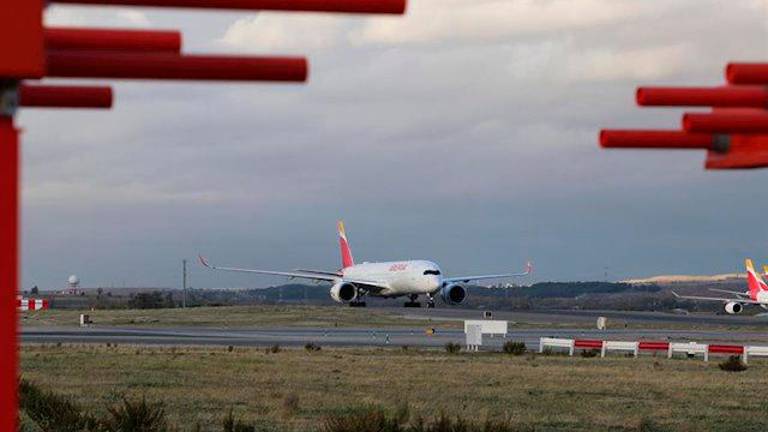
(754, 280)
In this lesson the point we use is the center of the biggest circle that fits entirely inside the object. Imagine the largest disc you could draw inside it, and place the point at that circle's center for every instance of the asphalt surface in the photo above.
(417, 336)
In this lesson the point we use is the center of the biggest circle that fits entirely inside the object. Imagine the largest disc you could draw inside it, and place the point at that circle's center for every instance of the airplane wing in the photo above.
(720, 299)
(321, 276)
(466, 279)
(738, 293)
(296, 274)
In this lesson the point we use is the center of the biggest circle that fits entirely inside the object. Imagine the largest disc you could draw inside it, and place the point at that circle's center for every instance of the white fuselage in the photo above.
(400, 277)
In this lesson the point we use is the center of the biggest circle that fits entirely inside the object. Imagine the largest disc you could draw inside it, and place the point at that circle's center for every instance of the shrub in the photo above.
(231, 424)
(376, 420)
(312, 347)
(452, 348)
(515, 348)
(590, 353)
(135, 416)
(53, 412)
(274, 349)
(733, 364)
(361, 420)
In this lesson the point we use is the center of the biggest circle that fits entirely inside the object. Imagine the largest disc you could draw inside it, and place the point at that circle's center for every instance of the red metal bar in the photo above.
(21, 40)
(655, 139)
(726, 349)
(50, 96)
(724, 122)
(588, 344)
(123, 65)
(653, 346)
(112, 40)
(703, 96)
(344, 6)
(747, 73)
(9, 267)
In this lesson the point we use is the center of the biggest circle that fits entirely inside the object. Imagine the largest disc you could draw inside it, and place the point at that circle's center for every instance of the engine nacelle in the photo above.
(454, 294)
(733, 308)
(344, 292)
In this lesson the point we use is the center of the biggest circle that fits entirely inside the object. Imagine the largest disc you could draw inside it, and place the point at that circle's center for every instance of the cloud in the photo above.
(95, 17)
(432, 21)
(412, 130)
(279, 33)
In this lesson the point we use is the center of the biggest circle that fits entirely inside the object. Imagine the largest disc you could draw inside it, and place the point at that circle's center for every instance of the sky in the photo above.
(464, 132)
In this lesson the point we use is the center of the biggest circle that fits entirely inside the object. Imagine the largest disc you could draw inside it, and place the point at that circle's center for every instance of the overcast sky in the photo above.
(464, 132)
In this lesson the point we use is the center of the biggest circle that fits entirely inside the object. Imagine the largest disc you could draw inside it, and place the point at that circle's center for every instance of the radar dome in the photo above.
(73, 280)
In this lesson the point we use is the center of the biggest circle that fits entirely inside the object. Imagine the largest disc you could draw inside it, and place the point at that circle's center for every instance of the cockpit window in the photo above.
(432, 272)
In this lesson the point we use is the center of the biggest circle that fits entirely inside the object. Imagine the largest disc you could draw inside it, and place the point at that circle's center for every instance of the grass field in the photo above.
(295, 389)
(234, 317)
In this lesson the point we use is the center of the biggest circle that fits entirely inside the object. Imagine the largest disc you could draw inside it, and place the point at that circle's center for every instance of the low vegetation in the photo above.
(452, 348)
(733, 364)
(516, 348)
(292, 391)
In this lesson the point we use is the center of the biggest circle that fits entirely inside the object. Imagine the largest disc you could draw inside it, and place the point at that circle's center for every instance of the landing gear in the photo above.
(357, 304)
(430, 302)
(413, 303)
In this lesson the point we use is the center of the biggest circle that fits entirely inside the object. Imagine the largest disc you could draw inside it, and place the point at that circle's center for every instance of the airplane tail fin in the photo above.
(528, 267)
(346, 252)
(754, 280)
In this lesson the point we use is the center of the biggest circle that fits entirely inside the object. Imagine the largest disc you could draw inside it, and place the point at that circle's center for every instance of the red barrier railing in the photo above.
(49, 96)
(343, 6)
(726, 349)
(587, 344)
(112, 40)
(653, 346)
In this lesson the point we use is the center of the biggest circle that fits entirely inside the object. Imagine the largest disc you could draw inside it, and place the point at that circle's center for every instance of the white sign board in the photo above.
(474, 337)
(487, 326)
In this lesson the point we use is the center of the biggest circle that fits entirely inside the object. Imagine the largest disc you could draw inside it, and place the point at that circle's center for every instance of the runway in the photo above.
(567, 324)
(358, 337)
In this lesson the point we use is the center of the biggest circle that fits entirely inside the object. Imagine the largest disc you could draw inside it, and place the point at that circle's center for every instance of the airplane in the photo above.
(394, 279)
(756, 295)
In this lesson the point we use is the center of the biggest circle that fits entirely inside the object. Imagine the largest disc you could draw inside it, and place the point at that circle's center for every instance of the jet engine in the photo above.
(344, 292)
(733, 308)
(454, 294)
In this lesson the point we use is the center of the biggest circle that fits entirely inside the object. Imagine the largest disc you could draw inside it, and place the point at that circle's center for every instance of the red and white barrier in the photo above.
(30, 304)
(689, 348)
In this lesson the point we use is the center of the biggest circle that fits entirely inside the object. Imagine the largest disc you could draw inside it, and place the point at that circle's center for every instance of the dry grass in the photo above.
(234, 317)
(548, 393)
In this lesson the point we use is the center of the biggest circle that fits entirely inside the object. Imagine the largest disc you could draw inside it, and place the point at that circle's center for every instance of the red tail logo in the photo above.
(346, 252)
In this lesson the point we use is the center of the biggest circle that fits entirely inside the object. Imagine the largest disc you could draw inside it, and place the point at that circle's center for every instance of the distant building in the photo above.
(73, 285)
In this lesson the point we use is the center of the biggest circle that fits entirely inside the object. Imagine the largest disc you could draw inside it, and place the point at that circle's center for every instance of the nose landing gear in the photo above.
(430, 302)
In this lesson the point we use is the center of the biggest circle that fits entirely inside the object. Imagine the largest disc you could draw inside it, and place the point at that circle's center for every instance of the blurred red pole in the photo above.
(50, 96)
(131, 65)
(736, 96)
(112, 40)
(747, 73)
(9, 267)
(344, 6)
(728, 123)
(656, 139)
